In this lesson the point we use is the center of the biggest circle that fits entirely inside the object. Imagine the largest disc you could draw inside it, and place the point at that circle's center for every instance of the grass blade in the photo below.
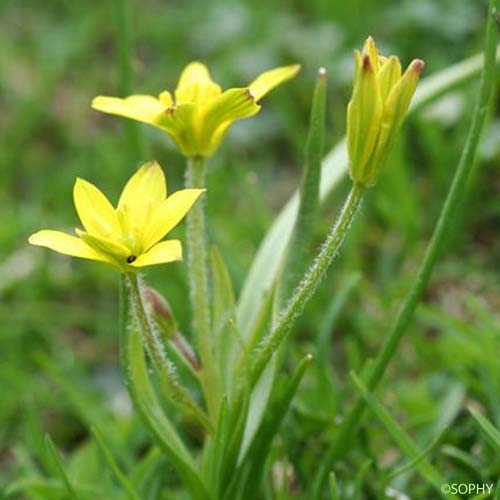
(120, 476)
(334, 489)
(252, 464)
(404, 442)
(54, 455)
(491, 433)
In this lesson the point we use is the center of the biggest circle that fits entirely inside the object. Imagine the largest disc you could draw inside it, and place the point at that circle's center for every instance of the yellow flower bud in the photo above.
(379, 103)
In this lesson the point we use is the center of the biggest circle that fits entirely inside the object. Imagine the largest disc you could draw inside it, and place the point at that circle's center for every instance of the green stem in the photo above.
(453, 199)
(198, 285)
(309, 283)
(156, 353)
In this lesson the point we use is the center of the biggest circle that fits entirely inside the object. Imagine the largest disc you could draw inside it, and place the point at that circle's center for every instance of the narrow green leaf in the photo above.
(146, 467)
(227, 338)
(54, 455)
(120, 476)
(215, 450)
(412, 463)
(255, 458)
(260, 394)
(404, 442)
(296, 261)
(45, 489)
(497, 491)
(143, 395)
(237, 418)
(224, 301)
(359, 479)
(334, 489)
(491, 433)
(463, 458)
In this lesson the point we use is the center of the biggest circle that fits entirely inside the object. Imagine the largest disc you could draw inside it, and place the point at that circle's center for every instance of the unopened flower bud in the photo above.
(165, 319)
(162, 312)
(379, 103)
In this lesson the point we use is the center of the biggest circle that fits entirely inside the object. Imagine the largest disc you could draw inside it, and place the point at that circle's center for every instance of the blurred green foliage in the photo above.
(58, 317)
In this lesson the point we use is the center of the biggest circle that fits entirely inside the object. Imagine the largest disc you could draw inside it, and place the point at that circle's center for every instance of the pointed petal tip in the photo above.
(367, 65)
(369, 45)
(150, 165)
(79, 181)
(417, 65)
(322, 73)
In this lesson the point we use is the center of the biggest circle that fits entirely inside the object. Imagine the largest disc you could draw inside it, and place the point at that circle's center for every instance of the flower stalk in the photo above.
(306, 288)
(156, 353)
(198, 286)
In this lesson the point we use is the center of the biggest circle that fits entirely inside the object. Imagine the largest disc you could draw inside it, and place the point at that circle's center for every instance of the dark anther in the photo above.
(131, 259)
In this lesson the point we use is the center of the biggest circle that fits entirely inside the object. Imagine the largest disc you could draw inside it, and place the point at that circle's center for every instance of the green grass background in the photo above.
(58, 316)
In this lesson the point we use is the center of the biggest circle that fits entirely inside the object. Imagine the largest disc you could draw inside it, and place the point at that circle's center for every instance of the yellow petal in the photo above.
(65, 244)
(143, 108)
(364, 114)
(232, 105)
(116, 252)
(268, 80)
(146, 189)
(400, 96)
(165, 251)
(166, 99)
(389, 74)
(169, 214)
(195, 85)
(182, 124)
(395, 110)
(95, 211)
(217, 137)
(370, 50)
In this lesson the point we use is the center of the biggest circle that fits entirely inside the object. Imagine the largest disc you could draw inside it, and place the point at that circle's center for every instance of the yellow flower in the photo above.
(129, 236)
(378, 106)
(200, 114)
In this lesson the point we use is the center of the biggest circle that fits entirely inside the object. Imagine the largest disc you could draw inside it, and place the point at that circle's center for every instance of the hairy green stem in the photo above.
(156, 353)
(198, 285)
(455, 195)
(308, 285)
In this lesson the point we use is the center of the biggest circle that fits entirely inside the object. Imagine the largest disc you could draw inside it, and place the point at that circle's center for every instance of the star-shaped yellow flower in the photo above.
(200, 114)
(127, 237)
